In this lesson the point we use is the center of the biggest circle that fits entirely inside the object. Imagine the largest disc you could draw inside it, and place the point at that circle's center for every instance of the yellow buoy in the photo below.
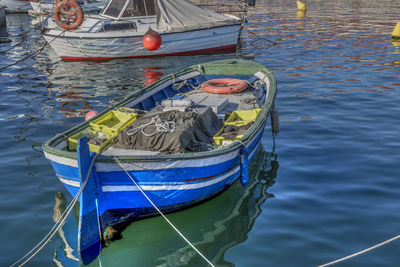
(300, 14)
(301, 6)
(396, 31)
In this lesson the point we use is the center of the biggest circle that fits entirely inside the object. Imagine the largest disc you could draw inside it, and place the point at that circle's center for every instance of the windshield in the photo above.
(139, 8)
(114, 8)
(135, 8)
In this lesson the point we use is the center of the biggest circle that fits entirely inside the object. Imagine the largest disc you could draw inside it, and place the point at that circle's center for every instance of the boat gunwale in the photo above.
(49, 146)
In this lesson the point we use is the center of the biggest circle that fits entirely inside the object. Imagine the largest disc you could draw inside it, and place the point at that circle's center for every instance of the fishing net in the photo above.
(170, 132)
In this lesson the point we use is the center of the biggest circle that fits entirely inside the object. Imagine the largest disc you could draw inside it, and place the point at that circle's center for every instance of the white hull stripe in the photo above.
(120, 188)
(167, 164)
(69, 182)
(140, 166)
(61, 160)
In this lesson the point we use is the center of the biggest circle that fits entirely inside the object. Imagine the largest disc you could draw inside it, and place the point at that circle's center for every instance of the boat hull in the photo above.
(171, 185)
(92, 47)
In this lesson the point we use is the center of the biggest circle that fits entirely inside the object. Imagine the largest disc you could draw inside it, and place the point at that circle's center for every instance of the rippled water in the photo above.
(329, 189)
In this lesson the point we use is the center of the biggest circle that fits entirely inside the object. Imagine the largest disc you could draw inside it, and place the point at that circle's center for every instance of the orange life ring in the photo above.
(224, 86)
(68, 14)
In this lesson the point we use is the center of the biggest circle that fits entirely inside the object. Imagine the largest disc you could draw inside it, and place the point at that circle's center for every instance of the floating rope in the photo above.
(360, 252)
(260, 38)
(58, 224)
(32, 55)
(159, 211)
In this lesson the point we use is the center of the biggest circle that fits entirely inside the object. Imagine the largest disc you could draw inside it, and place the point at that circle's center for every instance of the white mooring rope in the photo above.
(159, 211)
(360, 252)
(58, 224)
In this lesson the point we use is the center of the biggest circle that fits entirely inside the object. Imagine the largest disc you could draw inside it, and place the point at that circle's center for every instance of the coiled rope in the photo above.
(161, 126)
(360, 252)
(162, 214)
(58, 224)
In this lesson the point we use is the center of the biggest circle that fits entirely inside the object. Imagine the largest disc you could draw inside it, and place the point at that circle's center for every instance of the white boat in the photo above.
(118, 30)
(16, 6)
(45, 7)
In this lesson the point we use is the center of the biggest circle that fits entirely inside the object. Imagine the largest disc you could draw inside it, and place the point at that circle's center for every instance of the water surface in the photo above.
(327, 189)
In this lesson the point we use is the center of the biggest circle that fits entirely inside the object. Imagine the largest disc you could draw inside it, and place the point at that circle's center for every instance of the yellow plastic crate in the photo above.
(237, 118)
(73, 141)
(107, 127)
(219, 140)
(242, 117)
(114, 121)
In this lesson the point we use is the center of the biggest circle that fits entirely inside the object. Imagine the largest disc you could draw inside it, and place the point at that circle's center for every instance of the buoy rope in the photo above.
(32, 55)
(360, 252)
(162, 214)
(262, 38)
(59, 222)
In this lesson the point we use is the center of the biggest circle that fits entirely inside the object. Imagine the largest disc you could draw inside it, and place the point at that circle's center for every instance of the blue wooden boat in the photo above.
(115, 184)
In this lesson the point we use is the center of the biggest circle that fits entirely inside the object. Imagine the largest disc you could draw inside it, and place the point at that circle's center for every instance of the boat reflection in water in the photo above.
(64, 254)
(71, 90)
(151, 75)
(213, 227)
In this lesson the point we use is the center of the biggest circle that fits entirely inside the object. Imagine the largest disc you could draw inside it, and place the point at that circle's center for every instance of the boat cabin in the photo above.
(122, 9)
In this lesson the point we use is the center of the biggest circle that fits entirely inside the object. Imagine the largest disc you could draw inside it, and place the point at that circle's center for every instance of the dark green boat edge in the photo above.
(231, 67)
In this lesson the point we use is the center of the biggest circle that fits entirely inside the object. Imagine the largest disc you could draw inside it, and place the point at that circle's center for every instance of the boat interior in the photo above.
(177, 115)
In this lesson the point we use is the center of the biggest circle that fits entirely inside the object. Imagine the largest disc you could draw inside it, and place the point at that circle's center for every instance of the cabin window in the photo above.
(139, 7)
(114, 8)
(119, 26)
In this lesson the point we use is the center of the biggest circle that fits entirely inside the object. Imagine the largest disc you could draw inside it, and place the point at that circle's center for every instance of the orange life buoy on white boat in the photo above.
(224, 86)
(68, 14)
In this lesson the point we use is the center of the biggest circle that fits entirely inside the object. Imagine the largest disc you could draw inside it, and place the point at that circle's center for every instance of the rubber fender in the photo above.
(275, 121)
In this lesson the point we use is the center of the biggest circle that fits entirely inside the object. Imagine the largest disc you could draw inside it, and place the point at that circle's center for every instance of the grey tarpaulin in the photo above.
(178, 15)
(192, 132)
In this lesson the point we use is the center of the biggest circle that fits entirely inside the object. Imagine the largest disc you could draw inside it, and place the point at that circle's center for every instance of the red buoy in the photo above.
(151, 40)
(90, 114)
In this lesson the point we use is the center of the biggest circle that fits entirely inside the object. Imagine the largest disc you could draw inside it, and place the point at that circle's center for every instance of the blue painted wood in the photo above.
(89, 237)
(244, 166)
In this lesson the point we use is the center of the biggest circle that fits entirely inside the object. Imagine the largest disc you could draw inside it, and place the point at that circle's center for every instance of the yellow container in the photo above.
(102, 131)
(114, 121)
(94, 141)
(222, 141)
(237, 118)
(242, 117)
